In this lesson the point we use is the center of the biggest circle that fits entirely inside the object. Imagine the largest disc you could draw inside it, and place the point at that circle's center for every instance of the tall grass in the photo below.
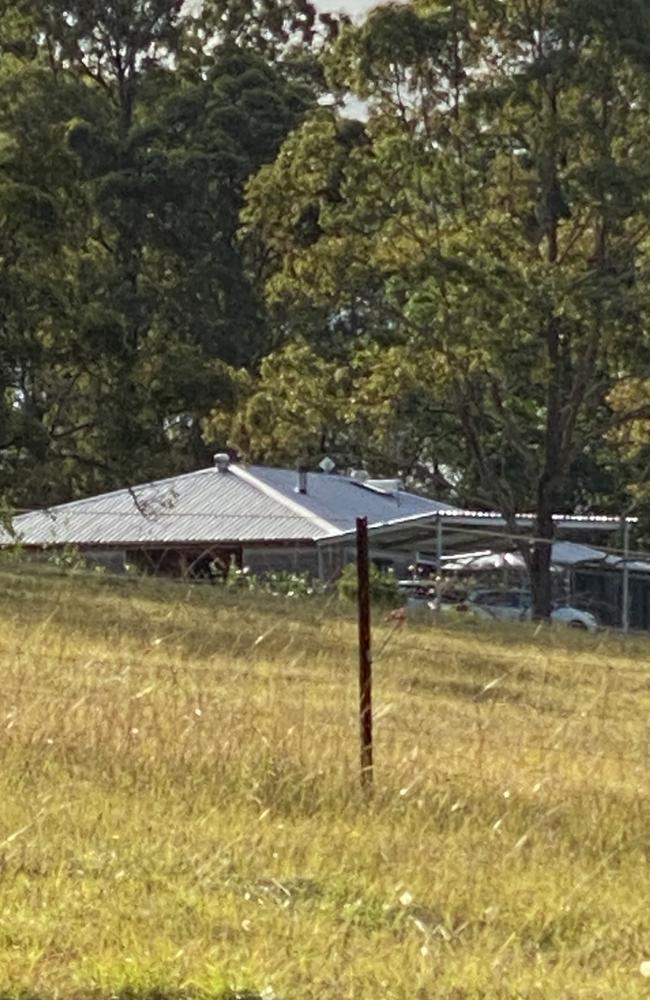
(179, 804)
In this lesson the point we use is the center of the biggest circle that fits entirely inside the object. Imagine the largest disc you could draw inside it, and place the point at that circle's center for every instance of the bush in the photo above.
(280, 583)
(67, 559)
(383, 585)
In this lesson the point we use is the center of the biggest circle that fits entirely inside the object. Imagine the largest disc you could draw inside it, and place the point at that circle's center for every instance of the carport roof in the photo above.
(420, 529)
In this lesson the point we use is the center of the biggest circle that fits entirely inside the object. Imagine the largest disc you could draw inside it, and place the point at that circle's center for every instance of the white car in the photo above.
(515, 605)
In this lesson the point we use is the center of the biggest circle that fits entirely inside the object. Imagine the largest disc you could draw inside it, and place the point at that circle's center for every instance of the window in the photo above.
(499, 599)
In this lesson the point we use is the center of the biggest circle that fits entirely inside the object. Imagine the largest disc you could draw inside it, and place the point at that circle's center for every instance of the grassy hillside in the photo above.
(179, 805)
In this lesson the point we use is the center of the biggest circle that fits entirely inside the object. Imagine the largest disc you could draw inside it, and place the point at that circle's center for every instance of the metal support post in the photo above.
(365, 661)
(439, 554)
(626, 577)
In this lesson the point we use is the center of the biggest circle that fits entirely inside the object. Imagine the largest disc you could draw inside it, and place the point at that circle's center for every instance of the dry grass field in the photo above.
(179, 806)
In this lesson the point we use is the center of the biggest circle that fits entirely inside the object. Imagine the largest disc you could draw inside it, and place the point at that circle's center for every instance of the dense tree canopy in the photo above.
(127, 135)
(494, 211)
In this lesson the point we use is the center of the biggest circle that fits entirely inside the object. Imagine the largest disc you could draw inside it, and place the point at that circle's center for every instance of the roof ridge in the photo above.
(293, 505)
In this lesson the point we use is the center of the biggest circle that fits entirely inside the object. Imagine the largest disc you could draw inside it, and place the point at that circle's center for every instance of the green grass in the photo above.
(179, 804)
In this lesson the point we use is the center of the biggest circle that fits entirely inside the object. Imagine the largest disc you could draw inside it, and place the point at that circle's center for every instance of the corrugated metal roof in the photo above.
(244, 504)
(340, 500)
(562, 554)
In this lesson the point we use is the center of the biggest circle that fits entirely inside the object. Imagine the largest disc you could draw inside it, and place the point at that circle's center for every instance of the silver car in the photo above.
(515, 605)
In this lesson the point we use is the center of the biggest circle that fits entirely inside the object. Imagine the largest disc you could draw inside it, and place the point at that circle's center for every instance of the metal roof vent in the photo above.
(385, 485)
(221, 461)
(301, 486)
(359, 475)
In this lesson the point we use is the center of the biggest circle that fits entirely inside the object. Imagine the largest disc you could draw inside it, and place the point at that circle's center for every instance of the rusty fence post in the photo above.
(365, 661)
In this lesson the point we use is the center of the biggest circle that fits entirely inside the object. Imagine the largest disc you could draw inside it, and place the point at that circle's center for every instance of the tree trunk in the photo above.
(541, 580)
(548, 483)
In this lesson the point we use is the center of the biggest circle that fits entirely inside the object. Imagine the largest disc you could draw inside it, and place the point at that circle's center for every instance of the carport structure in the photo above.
(437, 537)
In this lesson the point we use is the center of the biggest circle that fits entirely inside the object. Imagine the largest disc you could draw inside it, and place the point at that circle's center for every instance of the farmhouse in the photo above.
(251, 516)
(198, 524)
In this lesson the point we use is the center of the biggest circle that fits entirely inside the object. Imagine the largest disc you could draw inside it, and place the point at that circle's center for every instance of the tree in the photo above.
(40, 219)
(495, 213)
(629, 437)
(375, 409)
(128, 133)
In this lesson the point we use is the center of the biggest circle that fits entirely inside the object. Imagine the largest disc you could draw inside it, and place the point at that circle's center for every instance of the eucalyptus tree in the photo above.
(128, 132)
(491, 214)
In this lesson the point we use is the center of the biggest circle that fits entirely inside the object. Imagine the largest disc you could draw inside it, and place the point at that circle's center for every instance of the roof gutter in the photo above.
(470, 518)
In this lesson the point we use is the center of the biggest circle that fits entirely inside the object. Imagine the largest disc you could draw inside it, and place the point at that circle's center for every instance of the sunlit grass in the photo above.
(179, 803)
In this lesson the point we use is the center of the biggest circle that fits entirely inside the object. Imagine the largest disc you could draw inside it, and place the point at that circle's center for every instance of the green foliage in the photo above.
(628, 445)
(69, 560)
(381, 409)
(126, 305)
(6, 516)
(492, 213)
(383, 585)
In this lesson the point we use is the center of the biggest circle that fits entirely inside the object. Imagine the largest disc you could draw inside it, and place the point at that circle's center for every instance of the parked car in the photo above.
(421, 595)
(515, 605)
(502, 605)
